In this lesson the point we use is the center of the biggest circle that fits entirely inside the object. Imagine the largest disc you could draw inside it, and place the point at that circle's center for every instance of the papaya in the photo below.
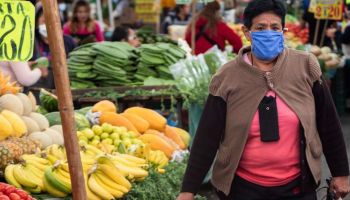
(171, 133)
(5, 128)
(186, 137)
(117, 120)
(157, 143)
(170, 141)
(104, 106)
(156, 120)
(140, 124)
(17, 123)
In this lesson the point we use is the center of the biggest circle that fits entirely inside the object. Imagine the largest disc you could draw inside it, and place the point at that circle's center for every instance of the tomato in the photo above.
(2, 187)
(22, 194)
(4, 197)
(9, 190)
(14, 196)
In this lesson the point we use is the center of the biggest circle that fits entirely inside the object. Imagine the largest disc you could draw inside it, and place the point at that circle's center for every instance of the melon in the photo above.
(56, 137)
(40, 120)
(41, 137)
(27, 104)
(12, 103)
(57, 128)
(31, 124)
(32, 100)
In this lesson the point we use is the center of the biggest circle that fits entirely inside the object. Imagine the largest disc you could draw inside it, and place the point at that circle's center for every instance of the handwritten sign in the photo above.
(16, 30)
(329, 9)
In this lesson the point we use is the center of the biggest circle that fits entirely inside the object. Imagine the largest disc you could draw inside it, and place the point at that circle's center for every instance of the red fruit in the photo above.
(9, 190)
(2, 187)
(22, 194)
(4, 197)
(14, 196)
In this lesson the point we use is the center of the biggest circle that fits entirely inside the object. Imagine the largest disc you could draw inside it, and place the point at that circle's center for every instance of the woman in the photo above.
(82, 27)
(21, 72)
(211, 30)
(42, 48)
(181, 16)
(268, 115)
(125, 34)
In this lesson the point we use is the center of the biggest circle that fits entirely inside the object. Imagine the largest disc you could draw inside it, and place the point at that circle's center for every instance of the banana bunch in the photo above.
(132, 169)
(28, 175)
(91, 150)
(55, 152)
(105, 181)
(56, 180)
(158, 158)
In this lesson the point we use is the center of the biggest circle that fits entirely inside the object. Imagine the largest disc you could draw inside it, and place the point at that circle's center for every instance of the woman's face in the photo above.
(82, 14)
(133, 40)
(41, 20)
(262, 22)
(186, 9)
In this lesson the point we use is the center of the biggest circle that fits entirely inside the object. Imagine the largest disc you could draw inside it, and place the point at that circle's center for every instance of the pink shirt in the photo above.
(272, 163)
(84, 31)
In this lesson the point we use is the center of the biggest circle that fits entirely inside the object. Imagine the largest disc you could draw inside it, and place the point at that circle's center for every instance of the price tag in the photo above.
(329, 9)
(17, 24)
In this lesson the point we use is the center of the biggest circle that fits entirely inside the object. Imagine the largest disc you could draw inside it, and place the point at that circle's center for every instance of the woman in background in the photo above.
(210, 30)
(21, 72)
(82, 27)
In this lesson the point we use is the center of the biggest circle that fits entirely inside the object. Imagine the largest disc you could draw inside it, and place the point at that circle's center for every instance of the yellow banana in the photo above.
(52, 159)
(36, 190)
(108, 181)
(90, 195)
(57, 151)
(93, 149)
(133, 159)
(9, 177)
(163, 162)
(22, 178)
(126, 162)
(35, 158)
(52, 190)
(63, 172)
(37, 165)
(115, 175)
(115, 192)
(135, 171)
(34, 175)
(98, 189)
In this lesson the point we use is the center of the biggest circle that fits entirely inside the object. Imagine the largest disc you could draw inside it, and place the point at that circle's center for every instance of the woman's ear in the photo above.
(246, 33)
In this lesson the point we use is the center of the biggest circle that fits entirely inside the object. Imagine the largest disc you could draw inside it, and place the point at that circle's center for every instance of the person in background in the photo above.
(345, 36)
(210, 30)
(125, 34)
(21, 72)
(42, 48)
(180, 16)
(267, 120)
(82, 27)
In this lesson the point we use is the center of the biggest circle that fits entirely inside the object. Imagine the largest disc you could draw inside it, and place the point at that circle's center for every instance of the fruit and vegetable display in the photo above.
(118, 63)
(147, 36)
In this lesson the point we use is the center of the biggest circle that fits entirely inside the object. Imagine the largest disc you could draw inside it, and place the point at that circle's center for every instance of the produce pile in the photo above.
(121, 153)
(117, 63)
(147, 36)
(155, 60)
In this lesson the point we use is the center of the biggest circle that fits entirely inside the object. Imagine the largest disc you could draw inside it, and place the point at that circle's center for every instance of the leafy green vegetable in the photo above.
(160, 186)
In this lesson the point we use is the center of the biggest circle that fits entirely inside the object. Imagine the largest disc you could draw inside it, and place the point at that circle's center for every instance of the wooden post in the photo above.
(316, 32)
(193, 27)
(324, 32)
(60, 72)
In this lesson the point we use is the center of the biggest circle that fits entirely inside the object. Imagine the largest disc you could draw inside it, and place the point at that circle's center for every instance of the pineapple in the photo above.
(6, 156)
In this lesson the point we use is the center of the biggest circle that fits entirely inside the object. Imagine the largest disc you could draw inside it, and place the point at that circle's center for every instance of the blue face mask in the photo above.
(267, 45)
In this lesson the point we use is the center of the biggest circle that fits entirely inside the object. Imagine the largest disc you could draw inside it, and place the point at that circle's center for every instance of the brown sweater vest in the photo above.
(242, 87)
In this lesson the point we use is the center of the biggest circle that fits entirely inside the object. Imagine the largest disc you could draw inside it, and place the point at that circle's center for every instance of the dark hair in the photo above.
(178, 8)
(257, 7)
(120, 33)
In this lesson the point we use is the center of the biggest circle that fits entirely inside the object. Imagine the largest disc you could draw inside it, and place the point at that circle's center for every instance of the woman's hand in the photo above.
(340, 185)
(185, 196)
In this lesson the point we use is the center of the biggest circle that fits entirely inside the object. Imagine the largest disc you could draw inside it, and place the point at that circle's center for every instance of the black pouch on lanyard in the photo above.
(268, 118)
